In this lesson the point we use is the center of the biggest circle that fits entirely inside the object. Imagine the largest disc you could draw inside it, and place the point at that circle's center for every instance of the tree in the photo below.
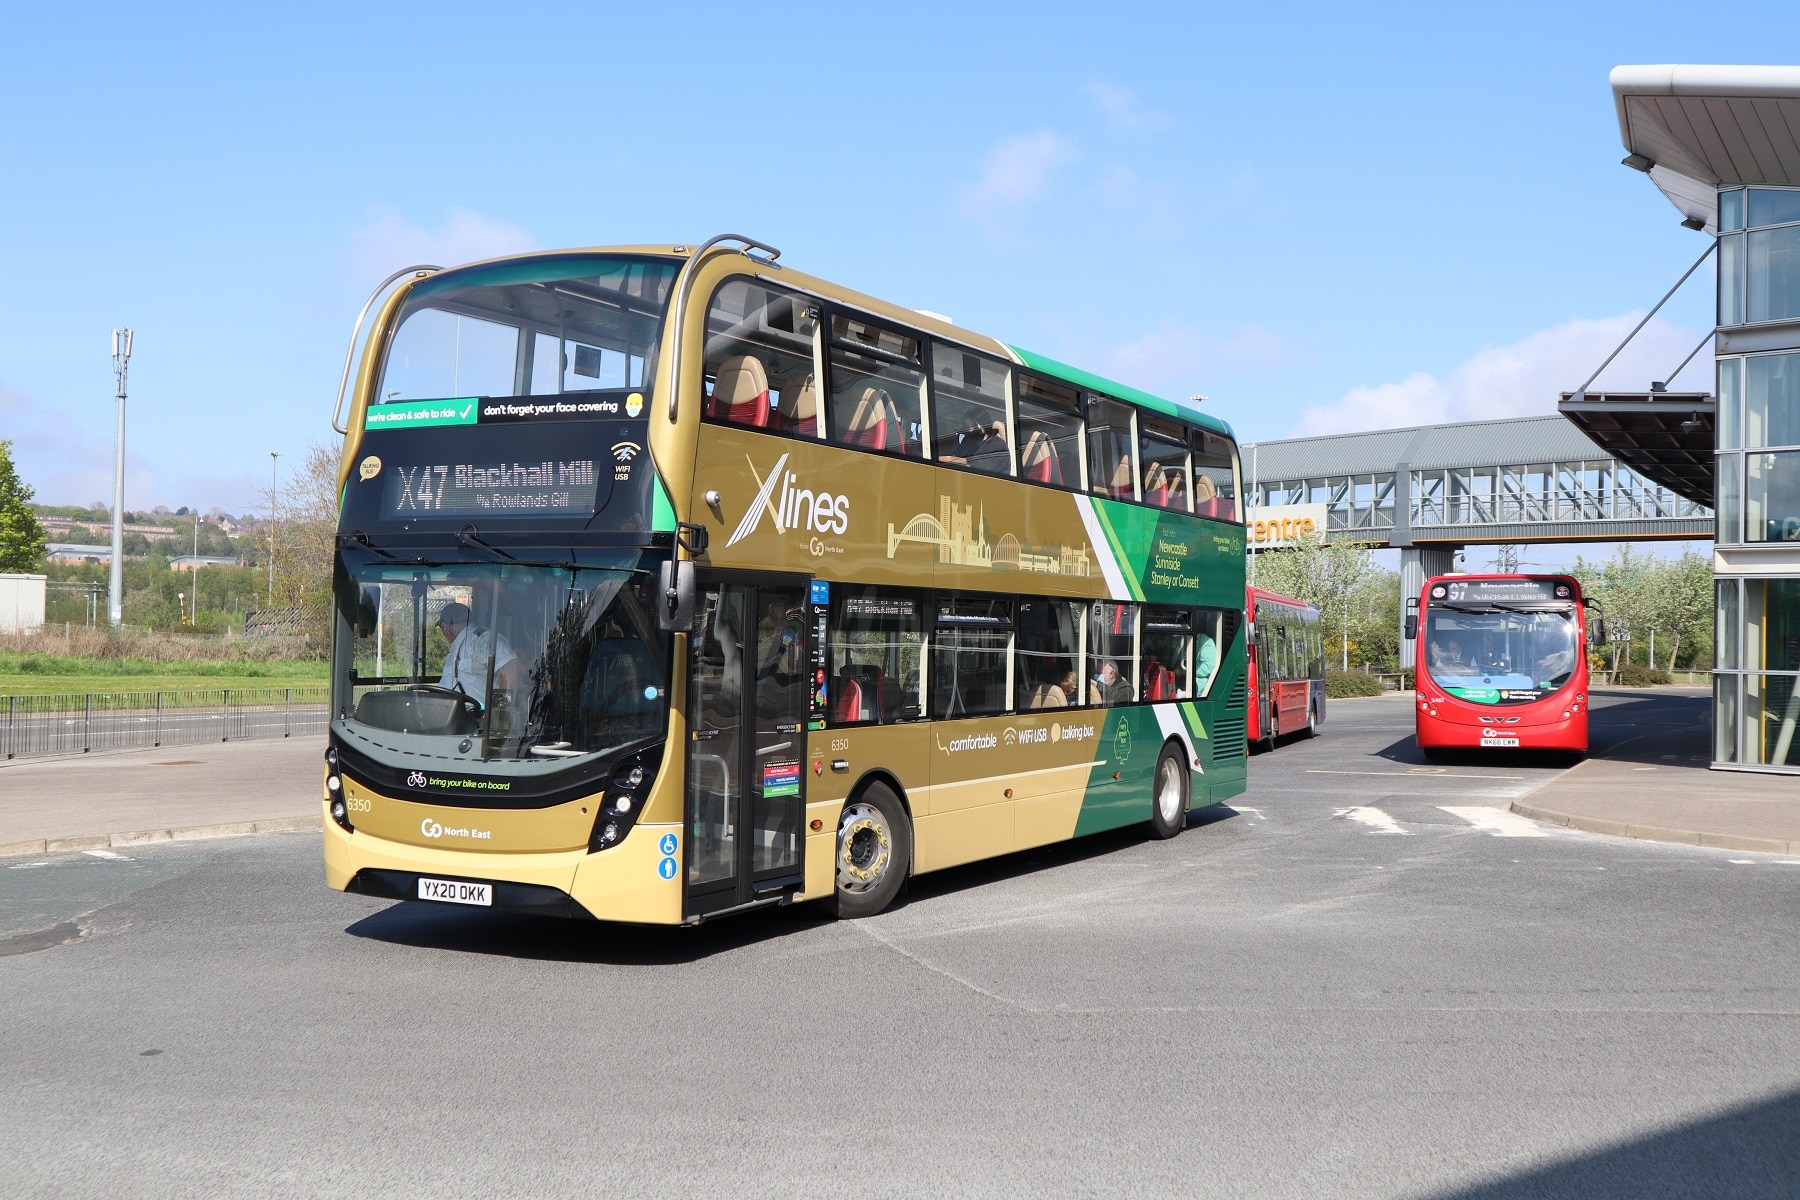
(21, 537)
(1357, 600)
(305, 540)
(1644, 596)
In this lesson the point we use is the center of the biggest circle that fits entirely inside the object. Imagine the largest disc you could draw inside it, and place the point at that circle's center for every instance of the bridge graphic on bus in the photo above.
(961, 535)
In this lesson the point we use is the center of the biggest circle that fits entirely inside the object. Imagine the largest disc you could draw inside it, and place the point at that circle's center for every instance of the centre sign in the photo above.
(1276, 525)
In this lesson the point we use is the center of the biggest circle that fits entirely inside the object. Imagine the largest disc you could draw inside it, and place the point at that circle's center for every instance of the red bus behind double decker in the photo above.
(1287, 666)
(1502, 663)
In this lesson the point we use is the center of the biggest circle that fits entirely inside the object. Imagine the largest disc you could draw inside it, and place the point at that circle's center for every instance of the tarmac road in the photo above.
(1366, 979)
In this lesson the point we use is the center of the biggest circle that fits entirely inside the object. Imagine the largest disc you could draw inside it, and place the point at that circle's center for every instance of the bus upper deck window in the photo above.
(877, 388)
(1163, 458)
(970, 424)
(1215, 476)
(1050, 433)
(759, 359)
(1111, 471)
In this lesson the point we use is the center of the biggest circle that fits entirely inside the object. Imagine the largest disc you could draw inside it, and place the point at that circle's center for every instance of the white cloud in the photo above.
(387, 242)
(1120, 108)
(1176, 360)
(1150, 208)
(71, 462)
(1014, 174)
(1522, 378)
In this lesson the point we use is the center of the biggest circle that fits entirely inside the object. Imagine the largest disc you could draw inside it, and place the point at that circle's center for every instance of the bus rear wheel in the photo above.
(1169, 797)
(874, 850)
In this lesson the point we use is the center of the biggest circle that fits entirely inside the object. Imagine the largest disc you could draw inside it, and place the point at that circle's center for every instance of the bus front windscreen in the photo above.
(580, 326)
(507, 667)
(1490, 655)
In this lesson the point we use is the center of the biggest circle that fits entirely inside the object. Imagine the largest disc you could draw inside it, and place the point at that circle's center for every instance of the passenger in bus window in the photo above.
(1109, 687)
(981, 441)
(1206, 662)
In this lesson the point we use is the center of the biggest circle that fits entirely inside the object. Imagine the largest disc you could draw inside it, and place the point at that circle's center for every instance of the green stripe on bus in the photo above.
(662, 512)
(1122, 558)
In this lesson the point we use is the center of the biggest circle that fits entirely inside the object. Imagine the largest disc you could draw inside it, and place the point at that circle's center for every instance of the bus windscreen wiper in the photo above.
(468, 535)
(360, 540)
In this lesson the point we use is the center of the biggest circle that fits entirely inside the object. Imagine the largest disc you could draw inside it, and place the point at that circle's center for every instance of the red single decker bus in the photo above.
(1502, 663)
(1287, 666)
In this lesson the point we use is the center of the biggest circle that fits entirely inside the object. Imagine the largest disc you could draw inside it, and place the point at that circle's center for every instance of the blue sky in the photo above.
(1322, 218)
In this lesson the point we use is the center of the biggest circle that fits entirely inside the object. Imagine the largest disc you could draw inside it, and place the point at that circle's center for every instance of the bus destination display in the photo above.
(1503, 591)
(548, 488)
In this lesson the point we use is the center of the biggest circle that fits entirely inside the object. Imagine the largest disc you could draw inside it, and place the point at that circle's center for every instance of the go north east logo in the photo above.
(793, 508)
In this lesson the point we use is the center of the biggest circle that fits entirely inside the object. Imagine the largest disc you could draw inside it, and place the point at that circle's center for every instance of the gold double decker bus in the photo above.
(671, 582)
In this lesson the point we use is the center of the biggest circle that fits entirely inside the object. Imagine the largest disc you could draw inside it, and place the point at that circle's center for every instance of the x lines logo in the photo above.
(791, 508)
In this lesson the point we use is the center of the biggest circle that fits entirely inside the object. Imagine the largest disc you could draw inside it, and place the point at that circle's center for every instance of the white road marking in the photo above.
(106, 854)
(26, 866)
(1497, 821)
(1741, 862)
(1374, 818)
(1415, 773)
(1256, 812)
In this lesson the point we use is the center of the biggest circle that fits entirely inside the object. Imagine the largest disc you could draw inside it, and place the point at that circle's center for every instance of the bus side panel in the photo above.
(1002, 783)
(1223, 770)
(1119, 783)
(1291, 699)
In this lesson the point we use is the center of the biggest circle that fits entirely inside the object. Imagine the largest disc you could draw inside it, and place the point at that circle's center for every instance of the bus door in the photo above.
(748, 691)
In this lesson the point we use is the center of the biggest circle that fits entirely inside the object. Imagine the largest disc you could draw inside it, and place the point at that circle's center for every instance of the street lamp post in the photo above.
(115, 594)
(274, 461)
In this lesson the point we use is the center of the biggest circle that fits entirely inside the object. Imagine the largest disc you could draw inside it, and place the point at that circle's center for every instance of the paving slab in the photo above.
(136, 796)
(1655, 784)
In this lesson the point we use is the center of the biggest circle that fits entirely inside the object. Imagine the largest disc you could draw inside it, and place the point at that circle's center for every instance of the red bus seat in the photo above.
(1039, 462)
(797, 408)
(740, 393)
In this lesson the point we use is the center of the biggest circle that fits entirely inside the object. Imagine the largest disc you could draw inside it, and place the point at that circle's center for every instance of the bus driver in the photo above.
(466, 662)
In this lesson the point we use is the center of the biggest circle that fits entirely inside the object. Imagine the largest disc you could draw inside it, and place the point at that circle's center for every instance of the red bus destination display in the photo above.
(492, 489)
(1502, 591)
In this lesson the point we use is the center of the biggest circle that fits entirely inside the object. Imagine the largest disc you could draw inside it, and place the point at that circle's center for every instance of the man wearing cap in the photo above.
(466, 662)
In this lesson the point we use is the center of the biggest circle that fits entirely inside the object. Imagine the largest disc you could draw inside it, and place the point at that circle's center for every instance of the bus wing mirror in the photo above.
(1597, 631)
(1252, 637)
(676, 614)
(366, 607)
(1412, 626)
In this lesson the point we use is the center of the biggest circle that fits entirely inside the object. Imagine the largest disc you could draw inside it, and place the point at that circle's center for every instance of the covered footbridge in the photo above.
(1431, 490)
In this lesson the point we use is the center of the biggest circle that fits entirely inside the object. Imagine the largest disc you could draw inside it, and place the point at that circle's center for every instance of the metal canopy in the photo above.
(1666, 437)
(1700, 128)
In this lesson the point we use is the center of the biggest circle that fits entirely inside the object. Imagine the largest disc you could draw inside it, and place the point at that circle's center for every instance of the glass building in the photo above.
(1723, 144)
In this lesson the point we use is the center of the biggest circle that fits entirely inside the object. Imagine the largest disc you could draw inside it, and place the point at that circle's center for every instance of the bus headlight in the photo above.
(631, 779)
(334, 791)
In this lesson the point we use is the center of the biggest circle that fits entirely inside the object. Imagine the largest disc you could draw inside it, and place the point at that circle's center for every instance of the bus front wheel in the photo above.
(1169, 800)
(874, 849)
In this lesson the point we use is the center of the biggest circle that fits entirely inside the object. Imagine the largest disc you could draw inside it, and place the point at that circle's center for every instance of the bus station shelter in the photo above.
(1722, 143)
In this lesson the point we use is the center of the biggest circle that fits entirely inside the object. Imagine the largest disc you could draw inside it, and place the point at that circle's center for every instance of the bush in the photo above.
(1342, 684)
(1636, 676)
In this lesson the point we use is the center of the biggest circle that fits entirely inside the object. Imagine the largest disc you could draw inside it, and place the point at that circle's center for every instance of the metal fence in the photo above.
(32, 725)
